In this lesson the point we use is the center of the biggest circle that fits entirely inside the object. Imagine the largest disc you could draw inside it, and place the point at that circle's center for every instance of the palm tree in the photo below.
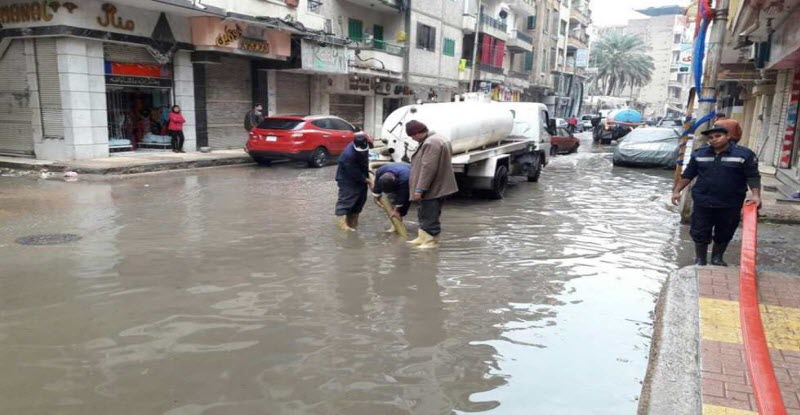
(621, 61)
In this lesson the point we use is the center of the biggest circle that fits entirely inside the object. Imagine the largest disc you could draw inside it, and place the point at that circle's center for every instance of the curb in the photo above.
(673, 379)
(131, 169)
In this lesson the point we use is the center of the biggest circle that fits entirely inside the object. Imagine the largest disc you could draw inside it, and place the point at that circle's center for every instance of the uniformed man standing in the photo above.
(724, 171)
(352, 177)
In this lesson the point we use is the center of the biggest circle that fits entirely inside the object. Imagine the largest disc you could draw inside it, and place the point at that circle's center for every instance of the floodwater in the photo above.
(229, 291)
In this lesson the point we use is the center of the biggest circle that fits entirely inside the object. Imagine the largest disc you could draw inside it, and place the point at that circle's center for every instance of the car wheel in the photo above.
(262, 161)
(319, 158)
(499, 183)
(535, 171)
(573, 150)
(553, 150)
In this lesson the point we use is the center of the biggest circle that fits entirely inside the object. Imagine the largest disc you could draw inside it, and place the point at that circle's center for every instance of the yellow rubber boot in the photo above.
(429, 241)
(342, 223)
(419, 239)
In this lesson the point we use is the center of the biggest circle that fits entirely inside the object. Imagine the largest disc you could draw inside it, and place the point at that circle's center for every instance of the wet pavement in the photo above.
(229, 291)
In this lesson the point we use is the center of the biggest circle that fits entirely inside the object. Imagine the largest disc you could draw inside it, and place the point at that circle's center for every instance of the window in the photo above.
(563, 30)
(377, 37)
(531, 23)
(341, 125)
(528, 61)
(546, 19)
(280, 124)
(323, 123)
(449, 47)
(426, 37)
(543, 126)
(355, 29)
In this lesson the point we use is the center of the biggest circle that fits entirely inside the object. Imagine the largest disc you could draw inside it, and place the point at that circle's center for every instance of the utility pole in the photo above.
(709, 89)
(474, 71)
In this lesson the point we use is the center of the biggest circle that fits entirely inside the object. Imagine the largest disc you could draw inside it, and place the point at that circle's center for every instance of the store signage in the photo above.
(211, 33)
(110, 18)
(35, 11)
(254, 45)
(582, 58)
(685, 57)
(323, 58)
(138, 81)
(229, 35)
(360, 83)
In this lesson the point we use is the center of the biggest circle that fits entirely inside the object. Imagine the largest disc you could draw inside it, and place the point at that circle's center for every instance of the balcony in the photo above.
(581, 15)
(522, 6)
(520, 75)
(520, 42)
(377, 57)
(379, 5)
(494, 27)
(468, 24)
(578, 40)
(485, 73)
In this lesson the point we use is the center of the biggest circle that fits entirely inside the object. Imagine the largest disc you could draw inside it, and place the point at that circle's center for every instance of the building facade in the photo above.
(101, 77)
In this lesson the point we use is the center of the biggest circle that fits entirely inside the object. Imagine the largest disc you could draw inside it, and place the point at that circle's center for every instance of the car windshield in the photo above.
(587, 118)
(280, 124)
(651, 135)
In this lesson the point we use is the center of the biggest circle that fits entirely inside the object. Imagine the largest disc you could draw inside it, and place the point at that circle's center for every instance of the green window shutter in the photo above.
(377, 37)
(528, 61)
(449, 48)
(355, 29)
(531, 22)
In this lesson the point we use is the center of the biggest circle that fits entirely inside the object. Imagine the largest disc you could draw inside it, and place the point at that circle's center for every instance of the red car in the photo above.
(563, 142)
(313, 139)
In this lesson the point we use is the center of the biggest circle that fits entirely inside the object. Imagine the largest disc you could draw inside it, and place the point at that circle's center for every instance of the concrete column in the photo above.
(82, 77)
(272, 92)
(184, 97)
(378, 117)
(369, 115)
(776, 121)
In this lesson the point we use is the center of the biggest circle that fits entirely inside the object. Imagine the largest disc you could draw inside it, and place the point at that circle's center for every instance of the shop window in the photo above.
(449, 47)
(426, 37)
(355, 29)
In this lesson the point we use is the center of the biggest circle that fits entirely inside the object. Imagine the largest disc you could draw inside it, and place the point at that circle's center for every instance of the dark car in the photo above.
(563, 142)
(648, 147)
(313, 139)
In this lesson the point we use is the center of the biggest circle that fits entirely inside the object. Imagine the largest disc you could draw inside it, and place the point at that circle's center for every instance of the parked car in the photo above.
(560, 122)
(313, 139)
(586, 121)
(648, 147)
(563, 142)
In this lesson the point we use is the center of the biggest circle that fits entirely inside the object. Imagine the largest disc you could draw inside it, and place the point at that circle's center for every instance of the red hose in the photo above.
(759, 365)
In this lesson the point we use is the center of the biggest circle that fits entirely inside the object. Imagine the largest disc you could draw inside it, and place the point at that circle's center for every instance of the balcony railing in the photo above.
(382, 45)
(520, 75)
(522, 36)
(490, 68)
(490, 21)
(581, 38)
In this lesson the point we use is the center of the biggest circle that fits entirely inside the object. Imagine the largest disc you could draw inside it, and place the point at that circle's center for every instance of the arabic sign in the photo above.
(582, 58)
(140, 81)
(33, 11)
(323, 58)
(685, 57)
(212, 33)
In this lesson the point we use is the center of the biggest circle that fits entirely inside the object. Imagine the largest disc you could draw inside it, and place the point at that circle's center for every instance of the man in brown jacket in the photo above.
(431, 180)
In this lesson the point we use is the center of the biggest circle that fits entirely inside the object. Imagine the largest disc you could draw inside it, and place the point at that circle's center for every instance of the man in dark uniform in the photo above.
(352, 177)
(724, 171)
(392, 179)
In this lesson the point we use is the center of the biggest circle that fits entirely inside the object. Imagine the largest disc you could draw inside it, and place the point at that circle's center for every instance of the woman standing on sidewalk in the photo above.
(175, 128)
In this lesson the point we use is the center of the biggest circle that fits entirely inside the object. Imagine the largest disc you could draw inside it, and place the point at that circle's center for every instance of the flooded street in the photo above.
(230, 291)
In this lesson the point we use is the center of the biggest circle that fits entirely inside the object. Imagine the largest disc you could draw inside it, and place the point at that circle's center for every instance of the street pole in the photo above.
(473, 72)
(709, 88)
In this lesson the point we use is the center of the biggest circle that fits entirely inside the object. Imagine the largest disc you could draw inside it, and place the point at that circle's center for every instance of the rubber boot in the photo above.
(343, 223)
(429, 241)
(419, 239)
(716, 254)
(352, 220)
(700, 254)
(391, 229)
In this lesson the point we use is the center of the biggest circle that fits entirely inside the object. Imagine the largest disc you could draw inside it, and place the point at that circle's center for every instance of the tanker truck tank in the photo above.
(467, 125)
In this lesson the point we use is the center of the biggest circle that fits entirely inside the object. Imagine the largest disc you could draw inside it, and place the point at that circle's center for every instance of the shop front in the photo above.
(100, 77)
(234, 68)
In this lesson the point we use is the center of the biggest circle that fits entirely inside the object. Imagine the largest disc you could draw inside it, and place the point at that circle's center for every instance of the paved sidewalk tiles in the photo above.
(726, 387)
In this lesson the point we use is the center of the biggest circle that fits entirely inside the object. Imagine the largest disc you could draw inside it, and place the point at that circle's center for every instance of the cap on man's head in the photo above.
(415, 127)
(360, 142)
(717, 128)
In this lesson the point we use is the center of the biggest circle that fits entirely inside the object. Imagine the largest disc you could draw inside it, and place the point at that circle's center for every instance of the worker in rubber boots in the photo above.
(431, 180)
(392, 179)
(724, 171)
(352, 177)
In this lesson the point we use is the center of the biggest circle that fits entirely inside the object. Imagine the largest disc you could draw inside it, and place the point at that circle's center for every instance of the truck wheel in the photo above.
(319, 158)
(535, 171)
(499, 183)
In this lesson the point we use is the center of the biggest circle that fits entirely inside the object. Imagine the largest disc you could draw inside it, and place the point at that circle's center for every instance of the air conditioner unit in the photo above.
(384, 88)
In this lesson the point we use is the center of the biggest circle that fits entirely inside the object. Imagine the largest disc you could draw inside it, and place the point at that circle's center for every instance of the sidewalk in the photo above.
(776, 208)
(131, 163)
(697, 358)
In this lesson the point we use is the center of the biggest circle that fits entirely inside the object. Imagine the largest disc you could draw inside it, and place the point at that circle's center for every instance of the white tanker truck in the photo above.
(490, 141)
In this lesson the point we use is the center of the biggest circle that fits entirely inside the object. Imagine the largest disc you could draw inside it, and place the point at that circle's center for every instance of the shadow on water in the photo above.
(229, 291)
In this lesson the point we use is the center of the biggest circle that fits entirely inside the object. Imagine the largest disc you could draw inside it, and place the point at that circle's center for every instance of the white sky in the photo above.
(618, 12)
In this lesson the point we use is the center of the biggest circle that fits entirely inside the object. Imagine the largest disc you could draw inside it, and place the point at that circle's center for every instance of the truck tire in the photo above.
(499, 183)
(535, 171)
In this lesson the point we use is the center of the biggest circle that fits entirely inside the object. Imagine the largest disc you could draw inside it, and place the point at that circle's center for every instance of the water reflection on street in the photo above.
(229, 291)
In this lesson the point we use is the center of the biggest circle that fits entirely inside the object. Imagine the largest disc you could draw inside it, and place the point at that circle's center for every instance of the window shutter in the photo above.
(486, 49)
(421, 36)
(499, 53)
(377, 37)
(432, 39)
(531, 22)
(355, 29)
(528, 61)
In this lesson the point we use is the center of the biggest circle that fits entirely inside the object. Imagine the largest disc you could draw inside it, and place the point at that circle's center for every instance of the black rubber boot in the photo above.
(700, 254)
(716, 254)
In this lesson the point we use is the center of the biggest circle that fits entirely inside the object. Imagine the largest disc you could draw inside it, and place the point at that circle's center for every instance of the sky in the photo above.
(618, 12)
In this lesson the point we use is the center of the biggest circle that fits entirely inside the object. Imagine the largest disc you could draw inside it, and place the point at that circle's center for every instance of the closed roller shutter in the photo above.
(16, 132)
(349, 108)
(228, 98)
(49, 88)
(293, 93)
(127, 54)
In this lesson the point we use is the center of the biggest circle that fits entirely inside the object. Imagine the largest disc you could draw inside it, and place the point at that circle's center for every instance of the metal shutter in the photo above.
(16, 132)
(115, 52)
(228, 99)
(293, 93)
(349, 108)
(49, 88)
